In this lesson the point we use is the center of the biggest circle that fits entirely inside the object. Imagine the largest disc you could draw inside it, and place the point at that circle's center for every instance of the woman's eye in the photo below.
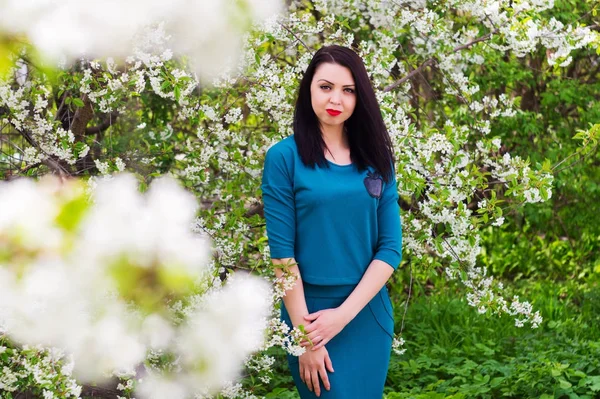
(349, 90)
(324, 87)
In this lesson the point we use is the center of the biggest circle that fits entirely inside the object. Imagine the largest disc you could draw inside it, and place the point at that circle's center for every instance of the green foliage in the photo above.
(33, 371)
(522, 252)
(455, 353)
(281, 385)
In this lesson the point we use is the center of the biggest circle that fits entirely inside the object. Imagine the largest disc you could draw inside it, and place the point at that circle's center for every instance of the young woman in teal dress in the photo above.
(331, 207)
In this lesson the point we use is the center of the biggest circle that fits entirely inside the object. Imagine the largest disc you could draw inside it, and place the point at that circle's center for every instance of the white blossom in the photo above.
(202, 30)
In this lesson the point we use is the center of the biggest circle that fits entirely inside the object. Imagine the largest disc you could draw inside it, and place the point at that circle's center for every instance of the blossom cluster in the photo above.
(44, 371)
(94, 277)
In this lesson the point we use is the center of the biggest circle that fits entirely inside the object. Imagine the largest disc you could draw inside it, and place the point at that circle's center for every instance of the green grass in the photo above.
(453, 352)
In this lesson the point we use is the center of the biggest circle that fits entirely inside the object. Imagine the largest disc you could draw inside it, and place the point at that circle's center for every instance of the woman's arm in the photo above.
(327, 323)
(294, 300)
(280, 215)
(313, 365)
(372, 282)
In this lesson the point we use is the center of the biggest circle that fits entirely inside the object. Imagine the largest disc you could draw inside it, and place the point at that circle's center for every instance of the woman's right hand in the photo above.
(314, 364)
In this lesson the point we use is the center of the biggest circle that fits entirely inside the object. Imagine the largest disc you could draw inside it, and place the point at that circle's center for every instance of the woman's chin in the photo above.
(332, 120)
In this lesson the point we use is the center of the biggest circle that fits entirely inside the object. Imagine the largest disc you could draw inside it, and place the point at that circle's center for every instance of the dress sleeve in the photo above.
(279, 203)
(389, 240)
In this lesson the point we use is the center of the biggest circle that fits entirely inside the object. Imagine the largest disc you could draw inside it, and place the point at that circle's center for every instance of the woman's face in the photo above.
(332, 93)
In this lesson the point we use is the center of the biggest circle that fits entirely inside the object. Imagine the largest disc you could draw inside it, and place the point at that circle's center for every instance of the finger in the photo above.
(302, 374)
(307, 379)
(328, 363)
(310, 328)
(316, 342)
(325, 378)
(321, 344)
(312, 316)
(314, 335)
(315, 382)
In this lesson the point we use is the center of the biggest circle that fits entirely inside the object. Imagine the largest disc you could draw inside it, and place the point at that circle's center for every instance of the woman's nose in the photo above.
(334, 99)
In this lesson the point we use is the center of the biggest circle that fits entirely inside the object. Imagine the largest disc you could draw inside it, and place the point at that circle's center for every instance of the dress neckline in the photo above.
(338, 165)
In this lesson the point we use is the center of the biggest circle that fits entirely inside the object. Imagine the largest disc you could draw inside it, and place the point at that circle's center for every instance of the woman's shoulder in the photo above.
(284, 148)
(280, 158)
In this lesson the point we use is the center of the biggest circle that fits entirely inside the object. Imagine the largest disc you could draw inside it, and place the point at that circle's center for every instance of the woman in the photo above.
(331, 206)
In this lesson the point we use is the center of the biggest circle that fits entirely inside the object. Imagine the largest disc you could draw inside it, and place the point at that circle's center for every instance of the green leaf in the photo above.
(556, 372)
(496, 381)
(72, 212)
(578, 373)
(78, 147)
(595, 383)
(564, 384)
(78, 102)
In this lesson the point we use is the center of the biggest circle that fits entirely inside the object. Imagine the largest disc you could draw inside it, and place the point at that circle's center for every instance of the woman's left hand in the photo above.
(326, 324)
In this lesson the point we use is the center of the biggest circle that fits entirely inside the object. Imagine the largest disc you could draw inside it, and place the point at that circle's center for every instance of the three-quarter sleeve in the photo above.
(279, 203)
(389, 241)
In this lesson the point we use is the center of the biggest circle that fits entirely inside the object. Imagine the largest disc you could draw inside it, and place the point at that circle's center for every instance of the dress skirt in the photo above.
(360, 353)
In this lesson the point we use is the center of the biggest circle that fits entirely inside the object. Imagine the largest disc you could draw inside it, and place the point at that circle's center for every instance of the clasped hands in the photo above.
(314, 363)
(324, 325)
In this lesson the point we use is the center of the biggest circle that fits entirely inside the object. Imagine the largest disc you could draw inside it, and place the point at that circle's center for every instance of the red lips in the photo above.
(333, 112)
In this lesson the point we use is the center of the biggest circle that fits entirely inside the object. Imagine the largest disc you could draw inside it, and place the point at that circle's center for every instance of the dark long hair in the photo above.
(369, 141)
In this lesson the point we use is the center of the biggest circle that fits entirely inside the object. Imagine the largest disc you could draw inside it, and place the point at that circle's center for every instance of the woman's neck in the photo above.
(334, 137)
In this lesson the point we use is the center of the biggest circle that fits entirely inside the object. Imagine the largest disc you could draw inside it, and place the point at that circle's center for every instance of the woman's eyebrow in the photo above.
(332, 83)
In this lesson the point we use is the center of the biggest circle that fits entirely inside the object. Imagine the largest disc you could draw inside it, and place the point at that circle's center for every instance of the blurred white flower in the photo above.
(151, 228)
(209, 32)
(100, 291)
(109, 344)
(157, 332)
(228, 326)
(158, 387)
(31, 215)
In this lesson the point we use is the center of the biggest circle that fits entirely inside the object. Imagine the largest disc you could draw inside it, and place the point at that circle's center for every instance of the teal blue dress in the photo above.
(334, 221)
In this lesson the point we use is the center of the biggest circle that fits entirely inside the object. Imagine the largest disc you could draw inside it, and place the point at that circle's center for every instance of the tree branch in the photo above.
(51, 163)
(106, 123)
(410, 75)
(297, 38)
(81, 118)
(432, 60)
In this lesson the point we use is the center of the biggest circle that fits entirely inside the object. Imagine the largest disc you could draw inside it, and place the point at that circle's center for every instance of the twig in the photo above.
(407, 299)
(410, 75)
(573, 163)
(297, 38)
